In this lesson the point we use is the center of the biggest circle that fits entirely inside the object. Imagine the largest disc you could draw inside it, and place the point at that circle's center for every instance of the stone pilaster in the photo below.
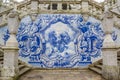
(110, 69)
(10, 64)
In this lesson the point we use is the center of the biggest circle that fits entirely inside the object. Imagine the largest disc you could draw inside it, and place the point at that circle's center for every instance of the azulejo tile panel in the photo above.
(59, 41)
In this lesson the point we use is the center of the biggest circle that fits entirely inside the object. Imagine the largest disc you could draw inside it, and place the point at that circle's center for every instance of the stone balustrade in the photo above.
(94, 9)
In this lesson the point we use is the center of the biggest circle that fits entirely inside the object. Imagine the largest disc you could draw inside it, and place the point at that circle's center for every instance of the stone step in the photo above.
(101, 62)
(4, 78)
(98, 66)
(118, 58)
(21, 67)
(118, 54)
(22, 72)
(119, 63)
(1, 61)
(1, 55)
(1, 58)
(19, 63)
(1, 51)
(97, 70)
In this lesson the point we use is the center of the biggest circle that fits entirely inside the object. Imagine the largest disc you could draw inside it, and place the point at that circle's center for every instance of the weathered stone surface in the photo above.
(61, 75)
(110, 69)
(10, 66)
(108, 23)
(6, 78)
(12, 42)
(110, 72)
(110, 57)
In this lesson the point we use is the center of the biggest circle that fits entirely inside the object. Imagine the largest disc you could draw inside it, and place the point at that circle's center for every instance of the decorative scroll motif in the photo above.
(59, 41)
(90, 41)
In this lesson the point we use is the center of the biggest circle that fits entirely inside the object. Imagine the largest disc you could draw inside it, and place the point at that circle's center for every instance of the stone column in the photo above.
(68, 6)
(10, 65)
(110, 69)
(59, 7)
(51, 6)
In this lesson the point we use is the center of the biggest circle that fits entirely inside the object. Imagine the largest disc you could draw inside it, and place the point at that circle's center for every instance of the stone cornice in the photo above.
(10, 48)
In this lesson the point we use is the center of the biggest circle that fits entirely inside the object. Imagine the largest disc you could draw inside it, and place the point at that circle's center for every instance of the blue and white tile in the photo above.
(55, 40)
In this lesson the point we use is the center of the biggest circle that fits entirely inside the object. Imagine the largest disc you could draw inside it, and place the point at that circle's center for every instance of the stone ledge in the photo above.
(10, 48)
